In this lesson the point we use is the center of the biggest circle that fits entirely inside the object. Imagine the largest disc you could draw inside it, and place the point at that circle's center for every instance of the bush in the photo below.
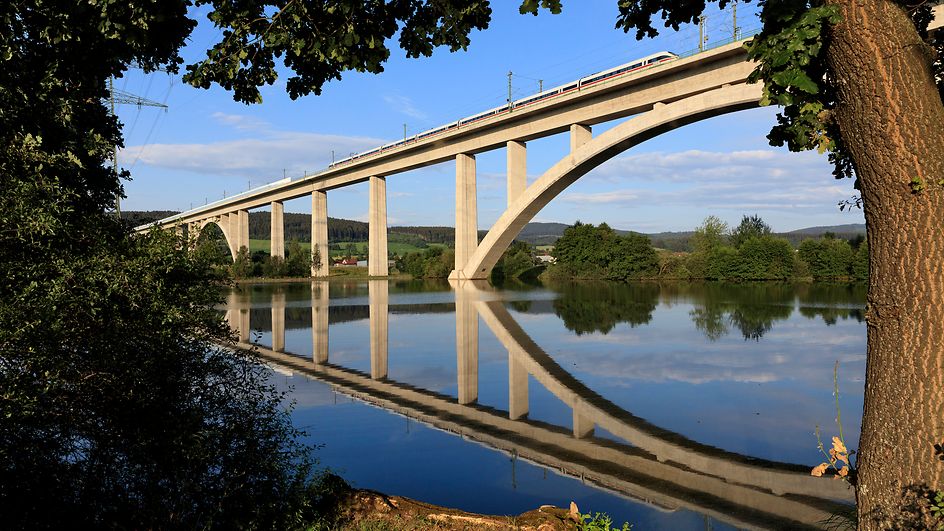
(766, 258)
(586, 251)
(120, 408)
(828, 258)
(434, 262)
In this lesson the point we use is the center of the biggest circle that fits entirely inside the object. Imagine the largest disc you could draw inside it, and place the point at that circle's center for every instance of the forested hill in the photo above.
(298, 227)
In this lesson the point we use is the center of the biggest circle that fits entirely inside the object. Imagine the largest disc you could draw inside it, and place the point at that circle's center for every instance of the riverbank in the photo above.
(347, 273)
(350, 509)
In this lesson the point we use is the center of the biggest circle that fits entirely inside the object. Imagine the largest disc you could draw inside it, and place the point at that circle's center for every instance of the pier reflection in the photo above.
(648, 463)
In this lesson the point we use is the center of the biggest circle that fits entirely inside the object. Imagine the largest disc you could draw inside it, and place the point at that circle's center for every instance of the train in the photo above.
(633, 66)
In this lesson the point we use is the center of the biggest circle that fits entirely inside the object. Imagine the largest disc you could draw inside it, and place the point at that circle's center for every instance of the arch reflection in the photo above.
(651, 464)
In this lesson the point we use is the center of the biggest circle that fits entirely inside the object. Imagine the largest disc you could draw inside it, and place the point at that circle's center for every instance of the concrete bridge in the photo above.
(651, 464)
(659, 98)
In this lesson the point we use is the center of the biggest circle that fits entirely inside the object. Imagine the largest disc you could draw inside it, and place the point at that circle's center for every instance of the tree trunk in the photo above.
(891, 119)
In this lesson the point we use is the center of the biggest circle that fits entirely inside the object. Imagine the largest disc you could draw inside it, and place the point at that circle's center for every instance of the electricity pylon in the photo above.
(117, 97)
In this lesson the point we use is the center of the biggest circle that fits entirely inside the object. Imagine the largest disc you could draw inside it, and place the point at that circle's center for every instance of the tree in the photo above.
(242, 265)
(707, 239)
(632, 257)
(298, 262)
(827, 258)
(750, 227)
(586, 251)
(712, 233)
(123, 403)
(766, 258)
(855, 79)
(828, 63)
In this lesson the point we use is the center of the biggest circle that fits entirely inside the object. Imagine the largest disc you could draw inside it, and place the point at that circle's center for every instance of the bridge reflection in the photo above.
(649, 463)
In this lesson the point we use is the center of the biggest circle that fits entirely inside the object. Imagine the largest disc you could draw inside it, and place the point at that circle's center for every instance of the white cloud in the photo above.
(694, 166)
(744, 181)
(241, 121)
(405, 106)
(616, 196)
(260, 158)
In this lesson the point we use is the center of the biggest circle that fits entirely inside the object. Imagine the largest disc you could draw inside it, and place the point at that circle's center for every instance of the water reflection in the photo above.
(631, 456)
(598, 306)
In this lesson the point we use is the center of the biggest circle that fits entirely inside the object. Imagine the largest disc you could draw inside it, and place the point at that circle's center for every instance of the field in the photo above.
(398, 248)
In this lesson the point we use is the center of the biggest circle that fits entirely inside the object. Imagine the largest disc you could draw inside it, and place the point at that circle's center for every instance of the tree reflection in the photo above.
(598, 307)
(750, 308)
(820, 300)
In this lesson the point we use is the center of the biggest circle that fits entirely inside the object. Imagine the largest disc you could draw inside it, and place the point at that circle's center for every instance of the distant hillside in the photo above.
(542, 233)
(851, 228)
(298, 227)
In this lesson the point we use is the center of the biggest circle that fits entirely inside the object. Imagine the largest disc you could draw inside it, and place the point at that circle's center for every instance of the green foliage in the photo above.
(750, 227)
(600, 522)
(242, 265)
(119, 409)
(517, 259)
(860, 263)
(434, 262)
(298, 260)
(586, 251)
(827, 258)
(710, 235)
(673, 266)
(348, 36)
(766, 258)
(937, 508)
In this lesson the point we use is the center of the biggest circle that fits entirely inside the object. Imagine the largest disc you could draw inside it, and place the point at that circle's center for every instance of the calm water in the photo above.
(673, 407)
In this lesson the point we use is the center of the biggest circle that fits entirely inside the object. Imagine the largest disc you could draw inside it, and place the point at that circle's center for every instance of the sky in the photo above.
(205, 145)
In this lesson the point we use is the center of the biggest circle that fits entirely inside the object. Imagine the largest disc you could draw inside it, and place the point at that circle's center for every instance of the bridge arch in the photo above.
(662, 118)
(224, 226)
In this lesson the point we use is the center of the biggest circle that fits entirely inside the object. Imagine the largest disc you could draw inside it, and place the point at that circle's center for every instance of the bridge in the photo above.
(650, 464)
(659, 98)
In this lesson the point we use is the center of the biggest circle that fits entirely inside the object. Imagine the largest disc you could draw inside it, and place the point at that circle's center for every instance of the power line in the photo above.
(119, 97)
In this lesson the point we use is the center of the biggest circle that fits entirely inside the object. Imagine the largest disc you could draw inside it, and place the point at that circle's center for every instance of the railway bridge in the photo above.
(658, 98)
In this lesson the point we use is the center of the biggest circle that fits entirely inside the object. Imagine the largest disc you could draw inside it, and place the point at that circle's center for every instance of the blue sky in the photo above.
(206, 144)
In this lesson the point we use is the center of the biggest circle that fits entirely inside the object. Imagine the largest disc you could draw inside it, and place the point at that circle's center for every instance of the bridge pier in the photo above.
(377, 228)
(319, 321)
(241, 229)
(278, 321)
(517, 170)
(467, 347)
(583, 426)
(379, 306)
(243, 321)
(319, 232)
(467, 233)
(277, 230)
(517, 388)
(579, 135)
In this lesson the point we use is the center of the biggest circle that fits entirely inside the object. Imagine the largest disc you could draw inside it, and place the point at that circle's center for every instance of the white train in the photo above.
(593, 79)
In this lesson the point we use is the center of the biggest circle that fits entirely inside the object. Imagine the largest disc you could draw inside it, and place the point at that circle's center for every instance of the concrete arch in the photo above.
(223, 223)
(662, 118)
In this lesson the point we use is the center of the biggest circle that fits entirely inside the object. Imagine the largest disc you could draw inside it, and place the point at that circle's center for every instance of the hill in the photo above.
(298, 227)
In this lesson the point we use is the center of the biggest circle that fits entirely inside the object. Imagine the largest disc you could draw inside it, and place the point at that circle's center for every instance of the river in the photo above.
(670, 406)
